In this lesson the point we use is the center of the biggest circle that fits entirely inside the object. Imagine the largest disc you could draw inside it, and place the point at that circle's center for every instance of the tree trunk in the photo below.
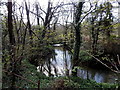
(95, 33)
(10, 25)
(37, 11)
(48, 18)
(119, 20)
(28, 23)
(78, 13)
(118, 31)
(12, 44)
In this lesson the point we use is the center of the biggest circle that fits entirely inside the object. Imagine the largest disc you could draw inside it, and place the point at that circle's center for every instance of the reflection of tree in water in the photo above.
(66, 62)
(97, 75)
(47, 67)
(55, 70)
(57, 64)
(48, 64)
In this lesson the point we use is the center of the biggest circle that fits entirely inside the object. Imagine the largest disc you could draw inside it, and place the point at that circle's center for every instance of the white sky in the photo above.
(43, 4)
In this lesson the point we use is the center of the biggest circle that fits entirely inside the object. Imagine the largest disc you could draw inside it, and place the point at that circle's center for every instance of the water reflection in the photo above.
(61, 62)
(97, 75)
(60, 65)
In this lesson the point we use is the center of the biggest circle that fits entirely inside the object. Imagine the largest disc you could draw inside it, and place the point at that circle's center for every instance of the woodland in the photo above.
(60, 44)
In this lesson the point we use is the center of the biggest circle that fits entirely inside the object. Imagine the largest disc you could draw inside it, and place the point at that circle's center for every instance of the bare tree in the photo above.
(12, 43)
(28, 22)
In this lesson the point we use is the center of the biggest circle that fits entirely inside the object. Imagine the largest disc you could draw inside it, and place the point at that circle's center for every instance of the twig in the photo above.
(118, 59)
(102, 63)
(21, 77)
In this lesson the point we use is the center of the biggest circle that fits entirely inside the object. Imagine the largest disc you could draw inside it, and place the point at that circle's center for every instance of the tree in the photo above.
(95, 27)
(37, 11)
(77, 27)
(28, 23)
(108, 19)
(48, 17)
(12, 44)
(119, 21)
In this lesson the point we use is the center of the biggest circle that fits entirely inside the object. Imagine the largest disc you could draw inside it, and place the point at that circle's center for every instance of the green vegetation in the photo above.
(30, 73)
(84, 57)
(89, 30)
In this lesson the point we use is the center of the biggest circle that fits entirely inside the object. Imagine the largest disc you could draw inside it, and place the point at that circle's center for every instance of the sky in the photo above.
(43, 4)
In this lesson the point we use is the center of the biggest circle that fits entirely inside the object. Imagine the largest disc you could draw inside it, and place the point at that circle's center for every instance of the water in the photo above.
(97, 75)
(60, 65)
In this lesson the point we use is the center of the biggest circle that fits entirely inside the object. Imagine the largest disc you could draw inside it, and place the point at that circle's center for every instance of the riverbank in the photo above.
(32, 77)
